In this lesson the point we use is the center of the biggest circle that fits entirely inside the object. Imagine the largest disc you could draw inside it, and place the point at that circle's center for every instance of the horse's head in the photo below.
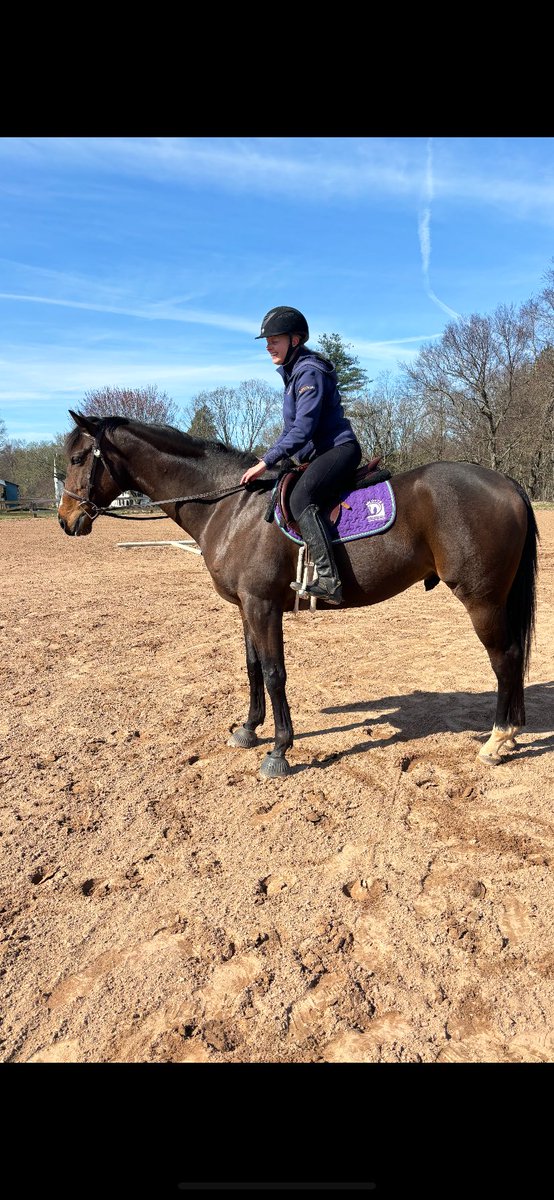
(90, 482)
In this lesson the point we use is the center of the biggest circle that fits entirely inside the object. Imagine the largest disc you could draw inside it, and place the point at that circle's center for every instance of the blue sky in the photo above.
(135, 261)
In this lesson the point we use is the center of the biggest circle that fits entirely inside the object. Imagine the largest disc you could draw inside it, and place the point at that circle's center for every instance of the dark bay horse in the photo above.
(468, 526)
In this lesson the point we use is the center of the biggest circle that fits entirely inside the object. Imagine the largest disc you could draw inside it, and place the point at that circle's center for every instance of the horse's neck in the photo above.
(162, 476)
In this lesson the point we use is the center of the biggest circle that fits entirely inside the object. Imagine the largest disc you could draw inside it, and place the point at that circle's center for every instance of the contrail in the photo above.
(424, 230)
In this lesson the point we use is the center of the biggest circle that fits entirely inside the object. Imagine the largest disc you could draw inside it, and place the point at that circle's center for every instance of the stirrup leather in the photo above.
(306, 574)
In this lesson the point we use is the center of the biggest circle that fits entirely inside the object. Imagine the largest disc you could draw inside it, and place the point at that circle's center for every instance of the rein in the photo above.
(108, 512)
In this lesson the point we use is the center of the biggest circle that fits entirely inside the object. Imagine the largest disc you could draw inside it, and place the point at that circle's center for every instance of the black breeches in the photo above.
(325, 477)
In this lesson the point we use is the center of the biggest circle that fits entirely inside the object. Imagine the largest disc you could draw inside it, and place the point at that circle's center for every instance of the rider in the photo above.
(316, 432)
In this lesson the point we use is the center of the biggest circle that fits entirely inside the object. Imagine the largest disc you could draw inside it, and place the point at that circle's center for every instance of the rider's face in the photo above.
(278, 347)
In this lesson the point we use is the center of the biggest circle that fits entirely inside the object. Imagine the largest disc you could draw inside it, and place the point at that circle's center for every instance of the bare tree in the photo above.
(144, 404)
(373, 417)
(220, 408)
(391, 422)
(258, 403)
(469, 380)
(240, 416)
(532, 421)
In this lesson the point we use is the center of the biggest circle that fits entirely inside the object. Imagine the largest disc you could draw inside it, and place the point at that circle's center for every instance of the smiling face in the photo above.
(279, 345)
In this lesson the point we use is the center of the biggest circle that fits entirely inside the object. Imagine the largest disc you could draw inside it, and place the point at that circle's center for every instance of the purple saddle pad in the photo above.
(369, 510)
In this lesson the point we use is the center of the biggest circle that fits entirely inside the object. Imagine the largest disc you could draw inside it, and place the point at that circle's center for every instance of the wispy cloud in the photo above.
(40, 377)
(424, 230)
(371, 347)
(316, 169)
(156, 311)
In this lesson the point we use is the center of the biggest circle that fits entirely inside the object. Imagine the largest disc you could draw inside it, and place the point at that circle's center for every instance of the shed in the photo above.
(9, 492)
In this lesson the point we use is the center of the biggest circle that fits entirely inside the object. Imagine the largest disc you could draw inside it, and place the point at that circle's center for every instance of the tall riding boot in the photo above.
(327, 586)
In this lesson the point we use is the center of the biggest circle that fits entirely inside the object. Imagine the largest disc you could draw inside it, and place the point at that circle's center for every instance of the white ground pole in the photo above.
(305, 572)
(184, 545)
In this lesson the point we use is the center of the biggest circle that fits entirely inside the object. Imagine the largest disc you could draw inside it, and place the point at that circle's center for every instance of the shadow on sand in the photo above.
(419, 714)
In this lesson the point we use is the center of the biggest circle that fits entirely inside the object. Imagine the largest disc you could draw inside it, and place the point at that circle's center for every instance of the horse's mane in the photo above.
(73, 438)
(165, 438)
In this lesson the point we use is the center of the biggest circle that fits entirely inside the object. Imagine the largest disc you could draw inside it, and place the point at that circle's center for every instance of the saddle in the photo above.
(363, 477)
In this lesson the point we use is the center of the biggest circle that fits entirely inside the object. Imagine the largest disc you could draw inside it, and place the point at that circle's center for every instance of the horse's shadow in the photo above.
(419, 714)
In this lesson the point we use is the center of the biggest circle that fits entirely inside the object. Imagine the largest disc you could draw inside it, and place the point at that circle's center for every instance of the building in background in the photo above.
(9, 493)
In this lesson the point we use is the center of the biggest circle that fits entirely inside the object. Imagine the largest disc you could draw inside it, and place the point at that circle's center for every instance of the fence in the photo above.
(35, 506)
(39, 506)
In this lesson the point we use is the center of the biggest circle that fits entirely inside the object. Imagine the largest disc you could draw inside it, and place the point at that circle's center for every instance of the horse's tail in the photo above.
(522, 598)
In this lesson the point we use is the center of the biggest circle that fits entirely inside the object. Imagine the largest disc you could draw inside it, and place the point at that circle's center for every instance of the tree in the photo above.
(143, 404)
(352, 378)
(539, 423)
(31, 466)
(471, 379)
(259, 405)
(202, 424)
(8, 449)
(237, 417)
(531, 422)
(386, 423)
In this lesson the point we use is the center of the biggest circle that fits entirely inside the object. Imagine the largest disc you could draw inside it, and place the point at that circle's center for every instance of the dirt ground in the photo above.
(390, 901)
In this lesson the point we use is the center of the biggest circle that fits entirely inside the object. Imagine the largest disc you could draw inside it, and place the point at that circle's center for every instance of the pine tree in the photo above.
(352, 378)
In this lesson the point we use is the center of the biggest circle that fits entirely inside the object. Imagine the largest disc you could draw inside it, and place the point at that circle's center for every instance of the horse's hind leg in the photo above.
(506, 655)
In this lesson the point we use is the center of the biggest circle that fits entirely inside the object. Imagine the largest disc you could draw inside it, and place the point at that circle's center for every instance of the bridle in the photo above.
(99, 511)
(97, 457)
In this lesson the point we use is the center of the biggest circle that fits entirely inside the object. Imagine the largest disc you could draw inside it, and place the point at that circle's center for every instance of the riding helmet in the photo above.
(283, 320)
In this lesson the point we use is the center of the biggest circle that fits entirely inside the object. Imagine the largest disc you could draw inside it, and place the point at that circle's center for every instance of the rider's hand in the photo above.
(254, 472)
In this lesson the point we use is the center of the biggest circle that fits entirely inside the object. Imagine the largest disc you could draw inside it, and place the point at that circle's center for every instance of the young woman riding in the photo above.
(316, 432)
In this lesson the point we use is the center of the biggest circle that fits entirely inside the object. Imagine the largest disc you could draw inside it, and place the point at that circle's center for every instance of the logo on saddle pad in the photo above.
(375, 510)
(362, 513)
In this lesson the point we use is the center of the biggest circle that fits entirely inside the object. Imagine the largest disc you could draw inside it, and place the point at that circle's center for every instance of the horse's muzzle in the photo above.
(77, 528)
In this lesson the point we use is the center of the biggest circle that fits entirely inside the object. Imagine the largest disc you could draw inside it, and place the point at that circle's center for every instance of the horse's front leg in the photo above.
(245, 736)
(265, 629)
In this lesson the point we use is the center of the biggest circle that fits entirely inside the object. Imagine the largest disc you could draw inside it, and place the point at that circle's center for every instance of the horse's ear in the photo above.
(87, 424)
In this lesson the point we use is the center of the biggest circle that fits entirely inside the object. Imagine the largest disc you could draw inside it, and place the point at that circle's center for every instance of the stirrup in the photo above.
(334, 597)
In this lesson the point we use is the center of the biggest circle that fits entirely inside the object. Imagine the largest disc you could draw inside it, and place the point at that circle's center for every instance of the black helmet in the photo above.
(283, 320)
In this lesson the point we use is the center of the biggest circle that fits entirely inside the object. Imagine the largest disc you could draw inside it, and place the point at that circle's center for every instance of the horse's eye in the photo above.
(76, 459)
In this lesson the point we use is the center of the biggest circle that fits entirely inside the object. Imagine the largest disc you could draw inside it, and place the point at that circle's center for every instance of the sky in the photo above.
(128, 262)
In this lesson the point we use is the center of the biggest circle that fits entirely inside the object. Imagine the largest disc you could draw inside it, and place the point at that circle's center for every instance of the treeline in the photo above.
(483, 392)
(31, 465)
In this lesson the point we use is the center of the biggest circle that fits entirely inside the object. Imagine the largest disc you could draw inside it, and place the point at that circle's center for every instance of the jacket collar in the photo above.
(287, 372)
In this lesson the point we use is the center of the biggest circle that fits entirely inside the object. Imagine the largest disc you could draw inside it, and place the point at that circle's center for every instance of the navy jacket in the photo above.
(313, 416)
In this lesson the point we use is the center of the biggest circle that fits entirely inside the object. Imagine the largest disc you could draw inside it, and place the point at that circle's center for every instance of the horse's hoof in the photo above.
(488, 760)
(245, 738)
(271, 767)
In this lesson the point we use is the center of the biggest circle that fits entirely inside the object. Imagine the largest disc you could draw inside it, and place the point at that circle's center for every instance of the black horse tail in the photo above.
(522, 598)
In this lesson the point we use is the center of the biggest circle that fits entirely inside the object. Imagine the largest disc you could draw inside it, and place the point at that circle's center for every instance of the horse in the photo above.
(466, 525)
